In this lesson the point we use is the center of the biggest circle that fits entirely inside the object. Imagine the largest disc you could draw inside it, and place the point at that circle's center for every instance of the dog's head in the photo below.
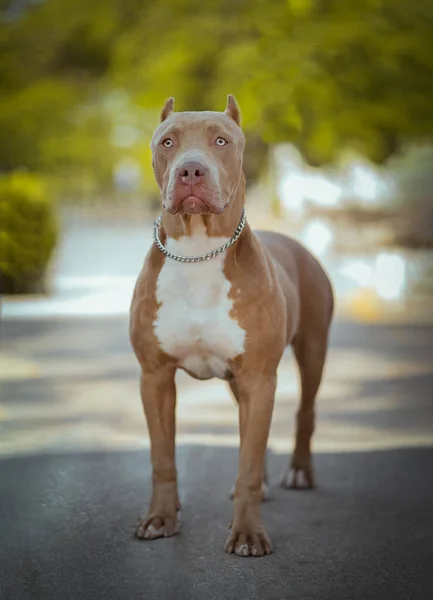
(197, 158)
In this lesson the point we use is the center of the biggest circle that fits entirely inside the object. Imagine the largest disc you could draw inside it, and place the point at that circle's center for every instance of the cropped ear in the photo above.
(167, 109)
(232, 110)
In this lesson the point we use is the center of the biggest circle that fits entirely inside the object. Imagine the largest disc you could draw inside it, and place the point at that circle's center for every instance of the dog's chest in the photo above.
(194, 322)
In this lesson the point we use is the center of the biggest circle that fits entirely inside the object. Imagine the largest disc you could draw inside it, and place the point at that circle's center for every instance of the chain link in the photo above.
(200, 257)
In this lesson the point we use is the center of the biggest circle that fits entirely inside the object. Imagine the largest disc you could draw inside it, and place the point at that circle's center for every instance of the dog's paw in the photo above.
(298, 479)
(243, 543)
(151, 528)
(266, 493)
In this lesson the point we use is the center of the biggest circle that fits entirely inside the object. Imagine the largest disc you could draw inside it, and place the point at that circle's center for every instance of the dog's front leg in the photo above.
(158, 394)
(248, 536)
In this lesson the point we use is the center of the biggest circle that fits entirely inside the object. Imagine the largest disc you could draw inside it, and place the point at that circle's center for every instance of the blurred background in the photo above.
(337, 109)
(337, 105)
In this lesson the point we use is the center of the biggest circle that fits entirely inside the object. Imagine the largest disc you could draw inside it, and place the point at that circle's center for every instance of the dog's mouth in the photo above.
(192, 205)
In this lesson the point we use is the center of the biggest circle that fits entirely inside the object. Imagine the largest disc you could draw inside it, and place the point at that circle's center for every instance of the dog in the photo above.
(218, 300)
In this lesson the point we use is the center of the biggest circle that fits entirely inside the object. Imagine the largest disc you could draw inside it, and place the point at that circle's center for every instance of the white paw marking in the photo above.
(266, 492)
(152, 532)
(301, 479)
(232, 492)
(242, 550)
(298, 478)
(295, 479)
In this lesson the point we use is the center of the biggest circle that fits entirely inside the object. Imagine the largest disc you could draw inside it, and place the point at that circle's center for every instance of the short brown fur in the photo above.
(285, 299)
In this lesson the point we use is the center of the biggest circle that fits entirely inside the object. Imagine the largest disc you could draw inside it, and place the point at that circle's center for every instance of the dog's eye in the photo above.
(167, 143)
(220, 141)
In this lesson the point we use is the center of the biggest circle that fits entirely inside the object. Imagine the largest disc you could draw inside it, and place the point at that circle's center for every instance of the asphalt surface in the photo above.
(67, 510)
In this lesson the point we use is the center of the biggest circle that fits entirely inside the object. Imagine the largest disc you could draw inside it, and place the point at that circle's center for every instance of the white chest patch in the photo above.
(193, 323)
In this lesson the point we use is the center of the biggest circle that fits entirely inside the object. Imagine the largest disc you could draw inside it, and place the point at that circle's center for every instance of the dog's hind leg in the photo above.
(310, 352)
(266, 492)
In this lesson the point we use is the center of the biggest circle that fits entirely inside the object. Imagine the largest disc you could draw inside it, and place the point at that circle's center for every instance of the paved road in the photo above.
(74, 474)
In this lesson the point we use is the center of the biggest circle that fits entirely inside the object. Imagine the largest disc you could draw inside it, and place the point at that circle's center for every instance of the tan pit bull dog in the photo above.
(217, 300)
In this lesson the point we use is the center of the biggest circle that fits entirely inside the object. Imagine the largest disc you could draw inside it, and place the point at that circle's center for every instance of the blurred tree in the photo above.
(52, 59)
(323, 74)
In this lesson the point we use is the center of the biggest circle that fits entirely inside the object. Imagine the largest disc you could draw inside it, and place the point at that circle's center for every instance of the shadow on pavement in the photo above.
(67, 523)
(67, 508)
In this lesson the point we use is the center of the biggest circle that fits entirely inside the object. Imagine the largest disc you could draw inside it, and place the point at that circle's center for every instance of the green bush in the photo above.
(28, 233)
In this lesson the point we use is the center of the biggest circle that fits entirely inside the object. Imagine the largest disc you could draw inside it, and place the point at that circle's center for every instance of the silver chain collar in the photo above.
(200, 257)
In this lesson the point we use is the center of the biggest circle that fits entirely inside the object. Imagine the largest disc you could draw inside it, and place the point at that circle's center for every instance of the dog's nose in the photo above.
(191, 173)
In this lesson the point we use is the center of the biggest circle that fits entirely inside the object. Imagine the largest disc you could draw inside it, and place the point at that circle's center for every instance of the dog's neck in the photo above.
(222, 226)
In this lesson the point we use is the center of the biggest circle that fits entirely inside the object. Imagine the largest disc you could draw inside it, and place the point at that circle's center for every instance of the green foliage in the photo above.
(28, 233)
(324, 74)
